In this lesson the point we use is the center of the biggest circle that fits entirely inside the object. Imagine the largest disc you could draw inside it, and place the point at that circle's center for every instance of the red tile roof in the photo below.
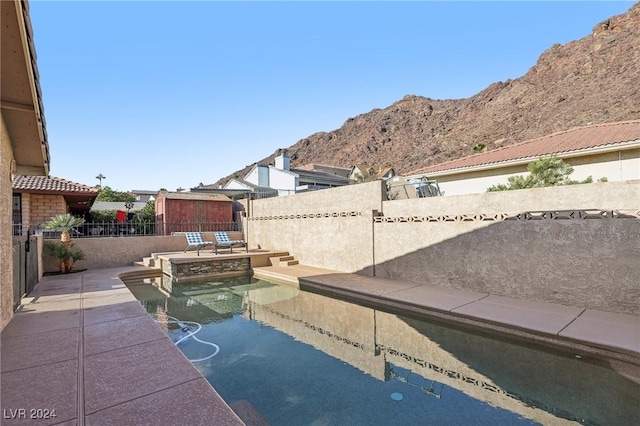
(49, 184)
(573, 140)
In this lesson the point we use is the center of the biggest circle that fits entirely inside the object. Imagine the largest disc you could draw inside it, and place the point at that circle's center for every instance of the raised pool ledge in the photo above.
(189, 266)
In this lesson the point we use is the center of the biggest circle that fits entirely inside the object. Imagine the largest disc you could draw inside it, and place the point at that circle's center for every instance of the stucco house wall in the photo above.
(282, 180)
(6, 247)
(615, 166)
(254, 176)
(24, 148)
(234, 184)
(268, 176)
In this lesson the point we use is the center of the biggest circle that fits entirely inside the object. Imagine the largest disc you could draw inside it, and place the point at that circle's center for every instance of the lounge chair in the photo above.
(194, 240)
(223, 240)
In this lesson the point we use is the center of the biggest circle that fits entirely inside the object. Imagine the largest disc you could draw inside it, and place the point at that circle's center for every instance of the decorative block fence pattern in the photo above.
(525, 216)
(309, 216)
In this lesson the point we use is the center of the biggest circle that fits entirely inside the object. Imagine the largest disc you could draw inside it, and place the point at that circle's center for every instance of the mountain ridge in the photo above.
(587, 81)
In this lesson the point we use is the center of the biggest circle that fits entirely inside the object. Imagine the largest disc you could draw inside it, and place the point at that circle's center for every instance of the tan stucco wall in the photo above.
(615, 166)
(109, 252)
(447, 241)
(331, 228)
(605, 195)
(364, 196)
(592, 263)
(6, 247)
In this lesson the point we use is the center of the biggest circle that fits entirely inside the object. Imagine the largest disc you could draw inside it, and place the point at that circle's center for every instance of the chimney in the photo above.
(282, 161)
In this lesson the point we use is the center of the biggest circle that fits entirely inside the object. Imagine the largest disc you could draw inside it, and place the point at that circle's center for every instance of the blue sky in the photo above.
(161, 94)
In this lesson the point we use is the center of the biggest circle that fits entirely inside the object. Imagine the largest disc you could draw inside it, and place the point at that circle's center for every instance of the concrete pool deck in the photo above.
(82, 345)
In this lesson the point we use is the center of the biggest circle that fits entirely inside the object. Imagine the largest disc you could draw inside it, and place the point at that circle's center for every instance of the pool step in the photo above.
(283, 261)
(150, 262)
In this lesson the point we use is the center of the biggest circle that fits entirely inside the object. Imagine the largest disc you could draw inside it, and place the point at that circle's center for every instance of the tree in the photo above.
(148, 212)
(545, 171)
(108, 194)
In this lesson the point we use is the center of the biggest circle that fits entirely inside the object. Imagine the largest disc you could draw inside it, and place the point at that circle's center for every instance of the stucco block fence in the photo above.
(574, 245)
(109, 252)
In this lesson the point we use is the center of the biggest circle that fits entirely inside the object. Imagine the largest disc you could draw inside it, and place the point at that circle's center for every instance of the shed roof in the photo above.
(200, 196)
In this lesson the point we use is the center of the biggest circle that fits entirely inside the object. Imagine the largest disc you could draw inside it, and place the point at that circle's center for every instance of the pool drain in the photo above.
(397, 396)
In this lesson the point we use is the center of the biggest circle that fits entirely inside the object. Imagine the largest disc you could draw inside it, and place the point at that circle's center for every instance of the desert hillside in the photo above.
(592, 80)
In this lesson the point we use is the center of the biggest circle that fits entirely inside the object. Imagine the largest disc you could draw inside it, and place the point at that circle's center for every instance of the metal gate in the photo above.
(25, 268)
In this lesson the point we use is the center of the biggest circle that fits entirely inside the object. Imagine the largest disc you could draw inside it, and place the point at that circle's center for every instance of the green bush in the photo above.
(545, 171)
(65, 255)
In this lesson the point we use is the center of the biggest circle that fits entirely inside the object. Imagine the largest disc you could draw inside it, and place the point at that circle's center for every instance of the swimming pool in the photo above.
(300, 358)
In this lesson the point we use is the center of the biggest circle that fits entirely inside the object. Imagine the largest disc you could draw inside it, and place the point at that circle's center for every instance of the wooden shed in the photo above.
(188, 212)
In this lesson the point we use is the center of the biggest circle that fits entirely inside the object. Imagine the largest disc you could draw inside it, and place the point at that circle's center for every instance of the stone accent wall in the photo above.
(44, 207)
(200, 269)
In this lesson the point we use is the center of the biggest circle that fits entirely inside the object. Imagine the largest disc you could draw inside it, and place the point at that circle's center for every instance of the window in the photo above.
(17, 214)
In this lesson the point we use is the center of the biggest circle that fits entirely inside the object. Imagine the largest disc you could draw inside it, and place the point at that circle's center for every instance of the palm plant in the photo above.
(65, 223)
(64, 251)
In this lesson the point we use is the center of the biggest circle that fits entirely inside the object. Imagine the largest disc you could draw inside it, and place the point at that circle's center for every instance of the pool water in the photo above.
(298, 358)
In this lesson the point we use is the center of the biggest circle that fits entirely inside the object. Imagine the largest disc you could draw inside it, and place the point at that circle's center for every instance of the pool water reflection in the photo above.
(301, 358)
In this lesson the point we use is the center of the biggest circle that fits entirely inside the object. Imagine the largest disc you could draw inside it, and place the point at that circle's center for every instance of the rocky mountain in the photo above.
(592, 80)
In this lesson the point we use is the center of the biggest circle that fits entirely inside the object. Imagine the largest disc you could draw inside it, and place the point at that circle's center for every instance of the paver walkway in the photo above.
(83, 349)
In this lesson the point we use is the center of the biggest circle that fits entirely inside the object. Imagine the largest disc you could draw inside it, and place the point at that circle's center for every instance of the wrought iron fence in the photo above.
(130, 229)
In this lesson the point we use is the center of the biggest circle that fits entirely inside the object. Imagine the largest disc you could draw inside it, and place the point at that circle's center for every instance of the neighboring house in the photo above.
(330, 170)
(24, 148)
(363, 172)
(265, 180)
(610, 150)
(188, 211)
(245, 187)
(36, 199)
(402, 187)
(144, 196)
